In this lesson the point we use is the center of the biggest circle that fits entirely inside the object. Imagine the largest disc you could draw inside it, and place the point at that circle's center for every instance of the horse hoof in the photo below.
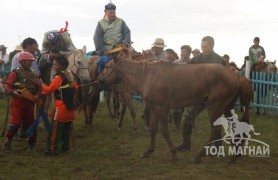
(145, 154)
(174, 158)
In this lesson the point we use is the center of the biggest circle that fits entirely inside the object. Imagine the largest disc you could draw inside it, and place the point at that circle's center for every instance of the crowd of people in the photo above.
(28, 64)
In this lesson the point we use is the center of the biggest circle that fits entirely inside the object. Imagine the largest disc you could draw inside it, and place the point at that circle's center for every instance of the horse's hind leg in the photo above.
(153, 130)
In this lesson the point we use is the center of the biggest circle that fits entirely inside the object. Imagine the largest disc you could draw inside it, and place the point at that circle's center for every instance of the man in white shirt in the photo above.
(4, 57)
(29, 45)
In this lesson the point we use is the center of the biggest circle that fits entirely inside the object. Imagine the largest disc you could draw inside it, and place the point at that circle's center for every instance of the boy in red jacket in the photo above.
(63, 112)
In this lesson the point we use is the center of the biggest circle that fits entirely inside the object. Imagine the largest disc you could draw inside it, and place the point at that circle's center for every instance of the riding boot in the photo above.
(187, 131)
(177, 118)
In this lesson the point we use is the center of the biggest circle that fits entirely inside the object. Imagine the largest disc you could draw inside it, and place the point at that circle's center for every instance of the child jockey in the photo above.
(63, 112)
(19, 82)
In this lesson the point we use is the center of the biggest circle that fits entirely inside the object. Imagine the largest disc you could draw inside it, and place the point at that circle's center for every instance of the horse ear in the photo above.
(84, 48)
(274, 62)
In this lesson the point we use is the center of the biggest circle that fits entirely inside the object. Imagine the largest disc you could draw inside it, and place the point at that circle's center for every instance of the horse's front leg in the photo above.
(127, 98)
(120, 120)
(153, 130)
(165, 132)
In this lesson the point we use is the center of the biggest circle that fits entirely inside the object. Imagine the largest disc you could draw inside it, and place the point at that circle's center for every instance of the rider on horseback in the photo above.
(55, 42)
(110, 32)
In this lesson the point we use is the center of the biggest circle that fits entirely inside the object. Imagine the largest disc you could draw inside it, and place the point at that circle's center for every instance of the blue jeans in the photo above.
(102, 61)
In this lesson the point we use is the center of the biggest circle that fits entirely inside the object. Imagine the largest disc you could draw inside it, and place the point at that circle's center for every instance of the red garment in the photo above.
(60, 111)
(22, 109)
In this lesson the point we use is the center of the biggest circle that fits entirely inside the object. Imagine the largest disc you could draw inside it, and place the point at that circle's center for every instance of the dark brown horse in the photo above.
(161, 90)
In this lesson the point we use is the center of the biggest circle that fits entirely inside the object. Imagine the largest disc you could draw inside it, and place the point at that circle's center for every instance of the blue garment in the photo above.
(102, 61)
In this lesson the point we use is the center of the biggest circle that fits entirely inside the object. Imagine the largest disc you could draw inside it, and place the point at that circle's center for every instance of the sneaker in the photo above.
(30, 147)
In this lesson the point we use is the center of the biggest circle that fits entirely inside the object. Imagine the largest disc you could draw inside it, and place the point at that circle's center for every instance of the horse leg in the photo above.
(127, 101)
(214, 111)
(153, 130)
(116, 104)
(164, 125)
(88, 121)
(120, 120)
(107, 97)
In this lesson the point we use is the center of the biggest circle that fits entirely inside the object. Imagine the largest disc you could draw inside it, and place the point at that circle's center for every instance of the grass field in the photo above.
(103, 152)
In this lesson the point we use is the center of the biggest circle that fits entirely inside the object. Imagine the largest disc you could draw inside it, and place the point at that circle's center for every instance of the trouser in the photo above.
(177, 114)
(58, 139)
(22, 114)
(189, 120)
(102, 61)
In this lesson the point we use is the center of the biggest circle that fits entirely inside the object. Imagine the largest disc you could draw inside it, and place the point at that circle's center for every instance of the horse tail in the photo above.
(245, 96)
(253, 129)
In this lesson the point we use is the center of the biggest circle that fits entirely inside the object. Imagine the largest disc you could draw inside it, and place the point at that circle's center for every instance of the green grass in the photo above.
(103, 152)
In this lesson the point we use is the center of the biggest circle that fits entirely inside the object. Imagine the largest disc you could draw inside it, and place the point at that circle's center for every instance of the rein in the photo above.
(108, 74)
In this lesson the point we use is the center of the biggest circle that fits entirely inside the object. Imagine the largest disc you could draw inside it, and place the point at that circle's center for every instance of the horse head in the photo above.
(78, 64)
(271, 67)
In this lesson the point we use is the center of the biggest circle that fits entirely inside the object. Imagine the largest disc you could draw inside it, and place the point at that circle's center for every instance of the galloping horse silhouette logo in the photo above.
(233, 128)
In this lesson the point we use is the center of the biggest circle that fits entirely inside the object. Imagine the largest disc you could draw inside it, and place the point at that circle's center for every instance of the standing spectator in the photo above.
(226, 58)
(17, 49)
(185, 55)
(110, 32)
(170, 55)
(22, 107)
(185, 58)
(29, 45)
(207, 56)
(157, 49)
(158, 55)
(195, 52)
(4, 57)
(256, 53)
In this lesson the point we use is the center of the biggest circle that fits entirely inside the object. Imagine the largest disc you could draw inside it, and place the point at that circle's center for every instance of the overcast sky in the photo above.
(232, 23)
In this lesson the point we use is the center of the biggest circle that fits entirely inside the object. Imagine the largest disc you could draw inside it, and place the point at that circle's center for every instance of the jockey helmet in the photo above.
(52, 37)
(26, 56)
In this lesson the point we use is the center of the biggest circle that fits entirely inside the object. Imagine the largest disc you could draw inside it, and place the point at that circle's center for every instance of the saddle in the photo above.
(260, 66)
(27, 94)
(117, 49)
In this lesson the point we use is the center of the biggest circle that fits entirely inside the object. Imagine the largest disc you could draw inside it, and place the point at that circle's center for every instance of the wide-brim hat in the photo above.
(2, 47)
(159, 42)
(18, 48)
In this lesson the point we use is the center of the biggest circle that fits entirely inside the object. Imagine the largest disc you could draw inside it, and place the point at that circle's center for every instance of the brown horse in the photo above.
(117, 89)
(157, 83)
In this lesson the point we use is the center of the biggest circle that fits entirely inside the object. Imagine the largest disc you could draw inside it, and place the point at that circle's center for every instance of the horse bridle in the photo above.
(77, 69)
